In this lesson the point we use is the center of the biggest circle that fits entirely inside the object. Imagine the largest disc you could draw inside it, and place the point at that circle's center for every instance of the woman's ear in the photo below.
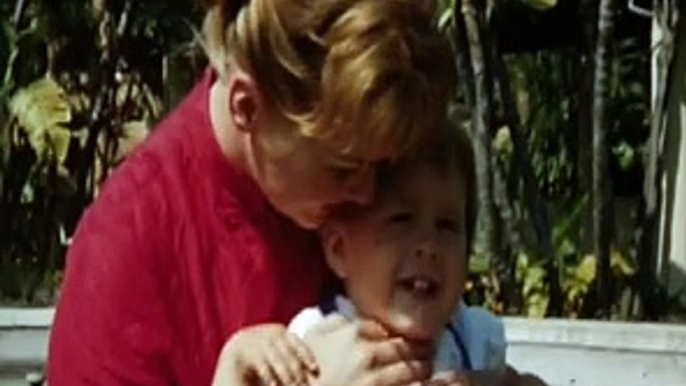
(244, 99)
(334, 249)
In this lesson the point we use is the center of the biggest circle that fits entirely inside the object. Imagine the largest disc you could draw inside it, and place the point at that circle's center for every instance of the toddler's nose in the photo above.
(426, 248)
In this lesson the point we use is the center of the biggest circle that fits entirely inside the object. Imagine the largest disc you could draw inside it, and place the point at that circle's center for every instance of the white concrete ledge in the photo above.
(26, 317)
(617, 336)
(23, 348)
(595, 353)
(24, 335)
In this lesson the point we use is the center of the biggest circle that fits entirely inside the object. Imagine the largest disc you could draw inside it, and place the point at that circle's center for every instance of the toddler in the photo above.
(402, 261)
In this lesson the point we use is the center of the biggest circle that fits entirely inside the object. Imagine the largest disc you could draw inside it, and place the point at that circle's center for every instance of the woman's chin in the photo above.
(308, 220)
(307, 223)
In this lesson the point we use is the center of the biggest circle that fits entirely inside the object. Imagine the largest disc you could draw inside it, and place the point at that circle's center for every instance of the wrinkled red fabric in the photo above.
(178, 252)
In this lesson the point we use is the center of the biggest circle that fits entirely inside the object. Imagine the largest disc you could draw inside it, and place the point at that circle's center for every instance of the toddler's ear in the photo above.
(334, 248)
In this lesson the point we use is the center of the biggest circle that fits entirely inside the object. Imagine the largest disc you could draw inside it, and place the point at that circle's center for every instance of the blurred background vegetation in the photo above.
(83, 82)
(556, 94)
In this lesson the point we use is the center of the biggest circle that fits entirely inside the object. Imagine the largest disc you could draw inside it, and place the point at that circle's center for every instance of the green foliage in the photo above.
(42, 111)
(446, 14)
(531, 276)
(577, 270)
(545, 85)
(553, 93)
(541, 5)
(577, 274)
(82, 83)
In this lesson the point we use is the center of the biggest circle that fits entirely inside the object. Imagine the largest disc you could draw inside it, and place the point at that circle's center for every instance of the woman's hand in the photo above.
(361, 353)
(264, 355)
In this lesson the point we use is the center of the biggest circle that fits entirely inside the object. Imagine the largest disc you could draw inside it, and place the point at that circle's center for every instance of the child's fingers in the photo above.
(303, 352)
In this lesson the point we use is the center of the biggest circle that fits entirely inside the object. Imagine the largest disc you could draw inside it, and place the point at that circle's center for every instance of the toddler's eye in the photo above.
(450, 225)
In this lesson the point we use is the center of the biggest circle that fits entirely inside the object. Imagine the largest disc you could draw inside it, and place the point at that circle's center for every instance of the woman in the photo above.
(203, 232)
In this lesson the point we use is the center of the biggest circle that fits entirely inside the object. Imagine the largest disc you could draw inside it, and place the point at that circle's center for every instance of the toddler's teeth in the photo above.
(421, 285)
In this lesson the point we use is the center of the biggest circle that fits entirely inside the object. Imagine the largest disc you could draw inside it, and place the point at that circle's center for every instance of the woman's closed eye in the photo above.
(401, 217)
(343, 173)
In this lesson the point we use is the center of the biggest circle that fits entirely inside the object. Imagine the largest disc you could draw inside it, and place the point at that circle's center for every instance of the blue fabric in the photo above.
(464, 354)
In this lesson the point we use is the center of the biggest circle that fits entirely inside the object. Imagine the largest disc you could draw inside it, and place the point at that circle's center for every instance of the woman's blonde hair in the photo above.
(365, 76)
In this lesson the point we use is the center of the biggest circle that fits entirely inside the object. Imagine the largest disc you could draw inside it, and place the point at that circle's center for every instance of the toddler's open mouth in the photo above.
(419, 286)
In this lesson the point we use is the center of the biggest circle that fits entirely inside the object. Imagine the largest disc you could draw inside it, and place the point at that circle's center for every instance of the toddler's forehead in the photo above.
(396, 184)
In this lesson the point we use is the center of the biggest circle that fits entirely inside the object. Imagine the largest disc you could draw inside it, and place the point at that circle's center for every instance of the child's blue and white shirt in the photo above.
(474, 339)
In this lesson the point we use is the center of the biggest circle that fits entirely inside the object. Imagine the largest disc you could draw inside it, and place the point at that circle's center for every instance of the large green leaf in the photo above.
(42, 109)
(620, 264)
(40, 106)
(58, 139)
(586, 270)
(534, 279)
(541, 5)
(537, 304)
(502, 143)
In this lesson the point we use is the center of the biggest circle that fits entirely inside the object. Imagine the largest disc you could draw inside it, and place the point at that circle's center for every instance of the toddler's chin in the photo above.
(413, 329)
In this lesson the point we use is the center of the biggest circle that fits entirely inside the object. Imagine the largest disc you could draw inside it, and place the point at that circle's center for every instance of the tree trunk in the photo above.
(487, 240)
(649, 261)
(602, 200)
(465, 75)
(584, 156)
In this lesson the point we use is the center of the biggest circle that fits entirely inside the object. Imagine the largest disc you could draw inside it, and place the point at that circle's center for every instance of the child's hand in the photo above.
(264, 355)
